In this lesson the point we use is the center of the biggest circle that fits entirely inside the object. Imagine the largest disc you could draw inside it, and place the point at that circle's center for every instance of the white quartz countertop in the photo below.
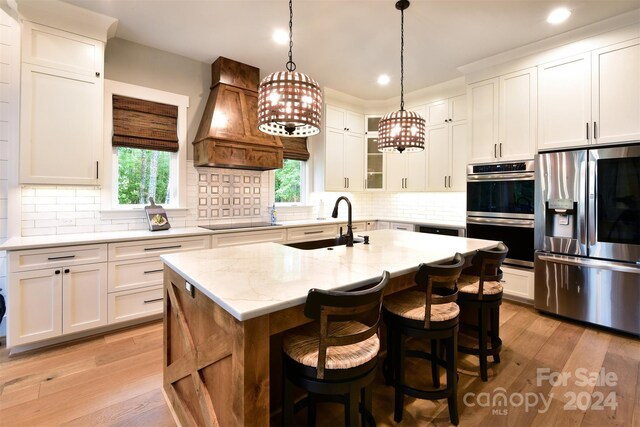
(252, 280)
(35, 242)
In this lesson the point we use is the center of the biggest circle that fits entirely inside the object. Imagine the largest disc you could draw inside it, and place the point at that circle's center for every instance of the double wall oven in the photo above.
(500, 206)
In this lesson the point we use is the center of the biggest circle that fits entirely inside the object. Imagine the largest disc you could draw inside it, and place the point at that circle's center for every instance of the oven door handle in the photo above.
(519, 176)
(524, 223)
(580, 262)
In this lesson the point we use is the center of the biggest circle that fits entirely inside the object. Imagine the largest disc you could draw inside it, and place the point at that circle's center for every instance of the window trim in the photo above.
(179, 159)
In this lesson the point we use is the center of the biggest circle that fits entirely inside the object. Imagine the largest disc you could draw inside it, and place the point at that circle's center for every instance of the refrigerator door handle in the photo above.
(591, 202)
(588, 263)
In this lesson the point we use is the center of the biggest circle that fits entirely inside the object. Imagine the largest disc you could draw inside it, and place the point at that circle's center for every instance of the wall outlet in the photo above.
(67, 221)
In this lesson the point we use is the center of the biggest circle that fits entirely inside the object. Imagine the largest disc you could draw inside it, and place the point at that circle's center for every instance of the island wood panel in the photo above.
(216, 368)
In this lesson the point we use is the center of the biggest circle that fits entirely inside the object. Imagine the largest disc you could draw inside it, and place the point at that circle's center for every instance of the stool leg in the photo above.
(387, 365)
(495, 332)
(435, 354)
(287, 402)
(351, 409)
(482, 342)
(452, 376)
(311, 410)
(367, 403)
(399, 377)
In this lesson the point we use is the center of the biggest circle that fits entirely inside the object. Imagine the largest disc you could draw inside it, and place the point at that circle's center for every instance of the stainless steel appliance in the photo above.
(587, 235)
(500, 205)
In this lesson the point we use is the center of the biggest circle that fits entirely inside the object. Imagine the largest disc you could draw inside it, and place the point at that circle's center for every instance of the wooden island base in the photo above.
(216, 368)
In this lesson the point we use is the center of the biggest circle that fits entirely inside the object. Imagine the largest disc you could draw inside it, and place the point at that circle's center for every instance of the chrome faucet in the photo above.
(349, 236)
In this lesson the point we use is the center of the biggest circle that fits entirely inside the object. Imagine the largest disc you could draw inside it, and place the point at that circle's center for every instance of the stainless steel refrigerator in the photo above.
(587, 235)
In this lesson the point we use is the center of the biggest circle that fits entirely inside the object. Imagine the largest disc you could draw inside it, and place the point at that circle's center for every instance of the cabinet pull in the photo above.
(494, 150)
(595, 130)
(314, 232)
(445, 181)
(149, 301)
(347, 182)
(587, 131)
(54, 258)
(449, 181)
(97, 169)
(501, 149)
(163, 248)
(153, 271)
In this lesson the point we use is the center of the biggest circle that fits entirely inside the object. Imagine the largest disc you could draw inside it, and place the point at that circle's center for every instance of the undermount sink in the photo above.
(319, 244)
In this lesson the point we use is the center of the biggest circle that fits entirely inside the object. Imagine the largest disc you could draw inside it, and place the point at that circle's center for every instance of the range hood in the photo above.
(228, 135)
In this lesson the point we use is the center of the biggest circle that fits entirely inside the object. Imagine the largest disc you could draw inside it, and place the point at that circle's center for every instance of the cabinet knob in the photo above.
(66, 270)
(97, 73)
(57, 271)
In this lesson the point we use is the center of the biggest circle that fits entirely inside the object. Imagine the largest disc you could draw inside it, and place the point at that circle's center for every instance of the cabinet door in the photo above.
(458, 108)
(416, 173)
(437, 146)
(483, 99)
(335, 118)
(35, 306)
(354, 122)
(396, 171)
(564, 103)
(84, 297)
(61, 127)
(374, 168)
(436, 113)
(354, 161)
(518, 113)
(459, 143)
(334, 167)
(616, 93)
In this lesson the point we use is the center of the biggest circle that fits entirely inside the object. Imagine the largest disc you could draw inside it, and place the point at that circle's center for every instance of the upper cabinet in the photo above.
(592, 98)
(407, 171)
(340, 152)
(61, 107)
(503, 117)
(374, 159)
(446, 111)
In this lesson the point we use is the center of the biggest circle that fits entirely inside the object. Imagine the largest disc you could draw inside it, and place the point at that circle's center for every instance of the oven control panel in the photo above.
(500, 167)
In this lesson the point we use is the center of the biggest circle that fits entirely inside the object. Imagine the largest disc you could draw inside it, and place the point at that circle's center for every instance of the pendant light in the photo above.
(289, 103)
(401, 130)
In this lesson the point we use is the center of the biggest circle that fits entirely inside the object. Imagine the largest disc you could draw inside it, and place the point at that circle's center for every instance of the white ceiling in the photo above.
(345, 45)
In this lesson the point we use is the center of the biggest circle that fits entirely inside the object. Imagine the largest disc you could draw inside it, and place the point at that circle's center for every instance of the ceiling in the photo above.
(345, 45)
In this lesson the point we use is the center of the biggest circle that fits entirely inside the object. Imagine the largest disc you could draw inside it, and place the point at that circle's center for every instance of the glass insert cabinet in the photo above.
(374, 158)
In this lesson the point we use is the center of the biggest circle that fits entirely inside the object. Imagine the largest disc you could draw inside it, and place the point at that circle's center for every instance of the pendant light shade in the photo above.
(289, 103)
(401, 130)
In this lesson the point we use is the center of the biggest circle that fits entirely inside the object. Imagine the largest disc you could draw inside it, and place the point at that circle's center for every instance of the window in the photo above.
(145, 138)
(289, 181)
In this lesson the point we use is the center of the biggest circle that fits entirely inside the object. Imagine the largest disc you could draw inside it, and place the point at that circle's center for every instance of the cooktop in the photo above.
(234, 226)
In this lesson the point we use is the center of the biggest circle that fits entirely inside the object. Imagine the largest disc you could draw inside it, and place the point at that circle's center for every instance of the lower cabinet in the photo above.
(517, 282)
(402, 226)
(55, 301)
(135, 303)
(277, 235)
(315, 232)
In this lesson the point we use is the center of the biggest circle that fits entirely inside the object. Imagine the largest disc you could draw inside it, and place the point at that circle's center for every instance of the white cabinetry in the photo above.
(518, 283)
(56, 291)
(446, 111)
(136, 274)
(406, 171)
(61, 107)
(447, 155)
(314, 232)
(504, 117)
(278, 235)
(591, 98)
(403, 226)
(342, 151)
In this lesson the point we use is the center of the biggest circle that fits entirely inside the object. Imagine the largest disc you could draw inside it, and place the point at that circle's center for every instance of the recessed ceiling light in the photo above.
(558, 15)
(280, 36)
(383, 79)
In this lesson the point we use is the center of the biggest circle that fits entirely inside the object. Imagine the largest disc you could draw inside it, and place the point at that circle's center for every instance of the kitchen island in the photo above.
(223, 305)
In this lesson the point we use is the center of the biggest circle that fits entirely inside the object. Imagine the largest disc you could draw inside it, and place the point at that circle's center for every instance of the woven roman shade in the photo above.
(144, 124)
(295, 148)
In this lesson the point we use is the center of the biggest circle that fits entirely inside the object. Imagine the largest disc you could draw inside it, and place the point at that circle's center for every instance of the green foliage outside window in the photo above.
(143, 174)
(288, 182)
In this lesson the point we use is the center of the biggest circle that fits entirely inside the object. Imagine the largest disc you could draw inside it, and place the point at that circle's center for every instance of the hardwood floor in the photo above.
(116, 379)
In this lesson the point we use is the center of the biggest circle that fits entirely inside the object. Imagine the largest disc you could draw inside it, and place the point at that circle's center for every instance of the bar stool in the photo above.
(480, 290)
(335, 357)
(430, 312)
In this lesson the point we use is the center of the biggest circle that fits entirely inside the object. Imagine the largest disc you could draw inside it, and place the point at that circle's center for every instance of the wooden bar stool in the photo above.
(480, 290)
(428, 311)
(335, 357)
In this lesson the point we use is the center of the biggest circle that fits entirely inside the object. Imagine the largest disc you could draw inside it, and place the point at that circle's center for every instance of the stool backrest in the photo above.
(329, 307)
(486, 265)
(439, 282)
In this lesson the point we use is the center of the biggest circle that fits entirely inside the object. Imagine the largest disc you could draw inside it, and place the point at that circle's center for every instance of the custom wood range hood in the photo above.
(228, 135)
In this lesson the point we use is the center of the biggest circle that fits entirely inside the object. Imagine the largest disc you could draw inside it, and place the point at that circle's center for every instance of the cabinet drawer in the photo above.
(133, 274)
(401, 226)
(136, 303)
(38, 259)
(317, 232)
(517, 282)
(357, 227)
(149, 248)
(234, 239)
